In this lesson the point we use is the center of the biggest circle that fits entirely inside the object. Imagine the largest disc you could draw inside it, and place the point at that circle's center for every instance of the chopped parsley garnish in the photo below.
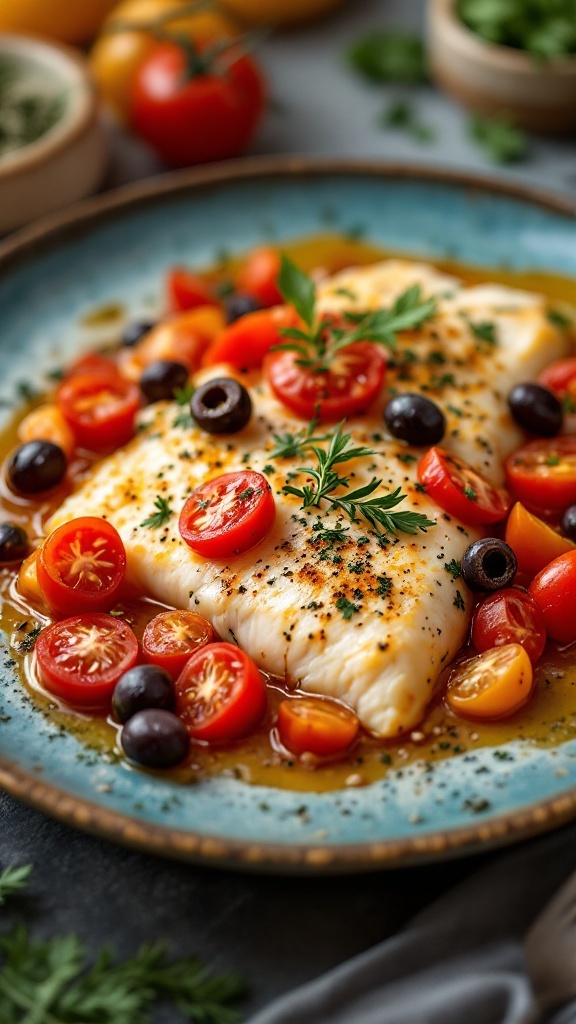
(384, 585)
(290, 445)
(502, 141)
(458, 602)
(546, 29)
(346, 607)
(453, 568)
(160, 517)
(29, 640)
(559, 319)
(182, 396)
(400, 115)
(484, 331)
(406, 458)
(470, 493)
(390, 57)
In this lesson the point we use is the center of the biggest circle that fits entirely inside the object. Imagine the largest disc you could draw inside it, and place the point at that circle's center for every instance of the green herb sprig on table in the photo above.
(401, 116)
(390, 57)
(361, 502)
(546, 29)
(502, 141)
(51, 982)
(319, 341)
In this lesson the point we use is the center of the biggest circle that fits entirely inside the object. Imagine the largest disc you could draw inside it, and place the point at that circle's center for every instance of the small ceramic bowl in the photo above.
(498, 80)
(68, 161)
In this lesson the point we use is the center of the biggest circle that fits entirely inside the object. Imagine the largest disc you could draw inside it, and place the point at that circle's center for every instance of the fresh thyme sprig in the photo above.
(290, 445)
(319, 341)
(160, 517)
(376, 509)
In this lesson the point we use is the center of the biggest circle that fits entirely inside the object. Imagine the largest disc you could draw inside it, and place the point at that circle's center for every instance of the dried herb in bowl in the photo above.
(25, 112)
(546, 29)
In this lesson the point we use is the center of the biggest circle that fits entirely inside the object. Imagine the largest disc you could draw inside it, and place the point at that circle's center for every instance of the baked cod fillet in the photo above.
(321, 600)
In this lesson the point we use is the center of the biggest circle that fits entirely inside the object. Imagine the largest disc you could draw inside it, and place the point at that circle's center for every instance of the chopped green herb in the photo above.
(160, 517)
(552, 460)
(406, 458)
(290, 445)
(458, 602)
(24, 115)
(390, 57)
(502, 141)
(559, 319)
(346, 607)
(453, 568)
(400, 115)
(470, 493)
(484, 331)
(546, 29)
(384, 585)
(28, 643)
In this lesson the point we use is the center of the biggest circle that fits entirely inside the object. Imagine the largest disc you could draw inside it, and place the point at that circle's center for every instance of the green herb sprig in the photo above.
(390, 57)
(502, 141)
(319, 342)
(159, 518)
(546, 29)
(375, 509)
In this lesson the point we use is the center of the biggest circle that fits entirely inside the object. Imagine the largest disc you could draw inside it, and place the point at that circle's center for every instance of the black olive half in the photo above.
(155, 738)
(569, 523)
(136, 330)
(415, 419)
(144, 686)
(221, 406)
(13, 542)
(239, 305)
(488, 564)
(536, 409)
(36, 466)
(161, 379)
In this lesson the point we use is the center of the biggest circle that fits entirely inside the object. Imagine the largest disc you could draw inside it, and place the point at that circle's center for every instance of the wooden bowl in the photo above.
(68, 161)
(498, 80)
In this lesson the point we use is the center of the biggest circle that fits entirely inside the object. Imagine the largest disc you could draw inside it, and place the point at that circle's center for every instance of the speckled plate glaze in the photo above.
(115, 249)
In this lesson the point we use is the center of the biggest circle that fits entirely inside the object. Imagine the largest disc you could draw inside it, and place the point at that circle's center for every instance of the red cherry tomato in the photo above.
(258, 276)
(187, 290)
(81, 566)
(92, 362)
(353, 382)
(81, 659)
(228, 515)
(554, 591)
(509, 617)
(560, 377)
(460, 490)
(317, 726)
(542, 474)
(100, 408)
(194, 117)
(245, 342)
(220, 694)
(170, 638)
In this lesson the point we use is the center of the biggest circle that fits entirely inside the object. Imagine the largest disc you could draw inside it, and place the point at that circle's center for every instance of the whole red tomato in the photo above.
(193, 108)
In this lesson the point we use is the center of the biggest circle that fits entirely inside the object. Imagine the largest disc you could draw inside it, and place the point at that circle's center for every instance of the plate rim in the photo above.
(214, 850)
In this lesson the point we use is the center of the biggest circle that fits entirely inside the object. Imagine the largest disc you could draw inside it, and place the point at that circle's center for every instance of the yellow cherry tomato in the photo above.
(28, 586)
(279, 12)
(46, 423)
(492, 685)
(69, 21)
(117, 55)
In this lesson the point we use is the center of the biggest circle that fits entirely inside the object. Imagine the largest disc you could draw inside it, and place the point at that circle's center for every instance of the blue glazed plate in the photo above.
(115, 249)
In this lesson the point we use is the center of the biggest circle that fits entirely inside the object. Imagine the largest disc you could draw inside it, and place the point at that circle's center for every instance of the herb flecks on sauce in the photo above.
(25, 113)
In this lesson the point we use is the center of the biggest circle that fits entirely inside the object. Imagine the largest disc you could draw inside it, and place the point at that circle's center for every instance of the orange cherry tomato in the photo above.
(494, 684)
(100, 408)
(317, 726)
(46, 423)
(534, 543)
(81, 566)
(182, 338)
(82, 658)
(246, 341)
(554, 591)
(460, 490)
(187, 290)
(170, 638)
(258, 276)
(28, 586)
(509, 616)
(220, 694)
(542, 474)
(228, 515)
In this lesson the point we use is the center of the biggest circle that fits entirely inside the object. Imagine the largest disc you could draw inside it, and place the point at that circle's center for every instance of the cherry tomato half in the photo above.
(554, 591)
(534, 543)
(245, 342)
(187, 290)
(317, 726)
(82, 658)
(509, 617)
(494, 684)
(460, 490)
(46, 423)
(560, 377)
(100, 408)
(194, 118)
(352, 383)
(170, 638)
(258, 276)
(220, 694)
(91, 362)
(542, 474)
(81, 566)
(228, 515)
(182, 338)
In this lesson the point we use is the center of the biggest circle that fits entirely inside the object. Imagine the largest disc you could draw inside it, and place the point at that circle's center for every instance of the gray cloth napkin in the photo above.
(460, 961)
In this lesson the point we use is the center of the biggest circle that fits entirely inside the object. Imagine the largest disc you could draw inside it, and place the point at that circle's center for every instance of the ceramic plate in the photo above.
(116, 248)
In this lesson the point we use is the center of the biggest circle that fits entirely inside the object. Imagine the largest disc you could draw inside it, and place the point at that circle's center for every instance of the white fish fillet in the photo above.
(323, 614)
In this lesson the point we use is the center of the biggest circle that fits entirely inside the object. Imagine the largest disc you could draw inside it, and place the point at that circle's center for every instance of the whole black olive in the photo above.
(536, 409)
(488, 564)
(569, 523)
(36, 466)
(221, 406)
(144, 686)
(155, 738)
(161, 379)
(415, 419)
(13, 542)
(136, 330)
(238, 305)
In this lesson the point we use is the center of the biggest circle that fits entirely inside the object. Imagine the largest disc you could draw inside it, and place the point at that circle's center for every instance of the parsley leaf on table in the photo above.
(390, 57)
(400, 115)
(503, 142)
